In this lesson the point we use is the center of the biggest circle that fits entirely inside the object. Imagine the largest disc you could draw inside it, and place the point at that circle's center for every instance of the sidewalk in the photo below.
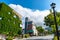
(48, 37)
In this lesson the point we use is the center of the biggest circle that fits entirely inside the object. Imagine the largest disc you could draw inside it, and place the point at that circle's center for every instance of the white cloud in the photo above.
(36, 16)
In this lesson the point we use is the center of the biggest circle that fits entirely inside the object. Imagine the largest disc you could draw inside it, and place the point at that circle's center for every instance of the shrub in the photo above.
(26, 35)
(9, 38)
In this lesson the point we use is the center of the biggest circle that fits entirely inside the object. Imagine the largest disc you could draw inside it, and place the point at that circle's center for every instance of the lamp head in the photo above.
(53, 5)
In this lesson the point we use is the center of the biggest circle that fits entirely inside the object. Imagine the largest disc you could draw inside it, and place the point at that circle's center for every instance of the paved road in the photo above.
(49, 37)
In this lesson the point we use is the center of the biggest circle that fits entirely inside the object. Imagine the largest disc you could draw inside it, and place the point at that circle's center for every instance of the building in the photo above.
(35, 32)
(29, 27)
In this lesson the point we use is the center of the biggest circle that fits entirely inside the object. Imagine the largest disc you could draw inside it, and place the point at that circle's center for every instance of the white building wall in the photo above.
(35, 32)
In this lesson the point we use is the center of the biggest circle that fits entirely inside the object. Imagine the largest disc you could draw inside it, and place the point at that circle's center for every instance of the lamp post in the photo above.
(53, 7)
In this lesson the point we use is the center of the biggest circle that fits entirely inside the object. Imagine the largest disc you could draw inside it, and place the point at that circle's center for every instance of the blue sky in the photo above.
(33, 4)
(26, 7)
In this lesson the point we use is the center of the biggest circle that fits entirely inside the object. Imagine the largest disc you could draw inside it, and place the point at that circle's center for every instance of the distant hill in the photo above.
(9, 21)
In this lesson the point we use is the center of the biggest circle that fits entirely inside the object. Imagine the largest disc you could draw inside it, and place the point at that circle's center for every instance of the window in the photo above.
(14, 16)
(0, 18)
(9, 13)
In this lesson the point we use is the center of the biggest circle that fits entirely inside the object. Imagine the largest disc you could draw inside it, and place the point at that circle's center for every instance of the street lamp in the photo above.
(53, 7)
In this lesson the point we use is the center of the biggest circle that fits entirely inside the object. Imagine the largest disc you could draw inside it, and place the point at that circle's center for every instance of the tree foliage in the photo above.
(9, 21)
(40, 29)
(49, 20)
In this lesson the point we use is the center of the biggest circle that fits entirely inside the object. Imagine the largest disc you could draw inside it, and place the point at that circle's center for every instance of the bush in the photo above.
(26, 35)
(9, 38)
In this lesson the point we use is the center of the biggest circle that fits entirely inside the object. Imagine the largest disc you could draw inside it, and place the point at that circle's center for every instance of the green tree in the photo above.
(40, 29)
(49, 20)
